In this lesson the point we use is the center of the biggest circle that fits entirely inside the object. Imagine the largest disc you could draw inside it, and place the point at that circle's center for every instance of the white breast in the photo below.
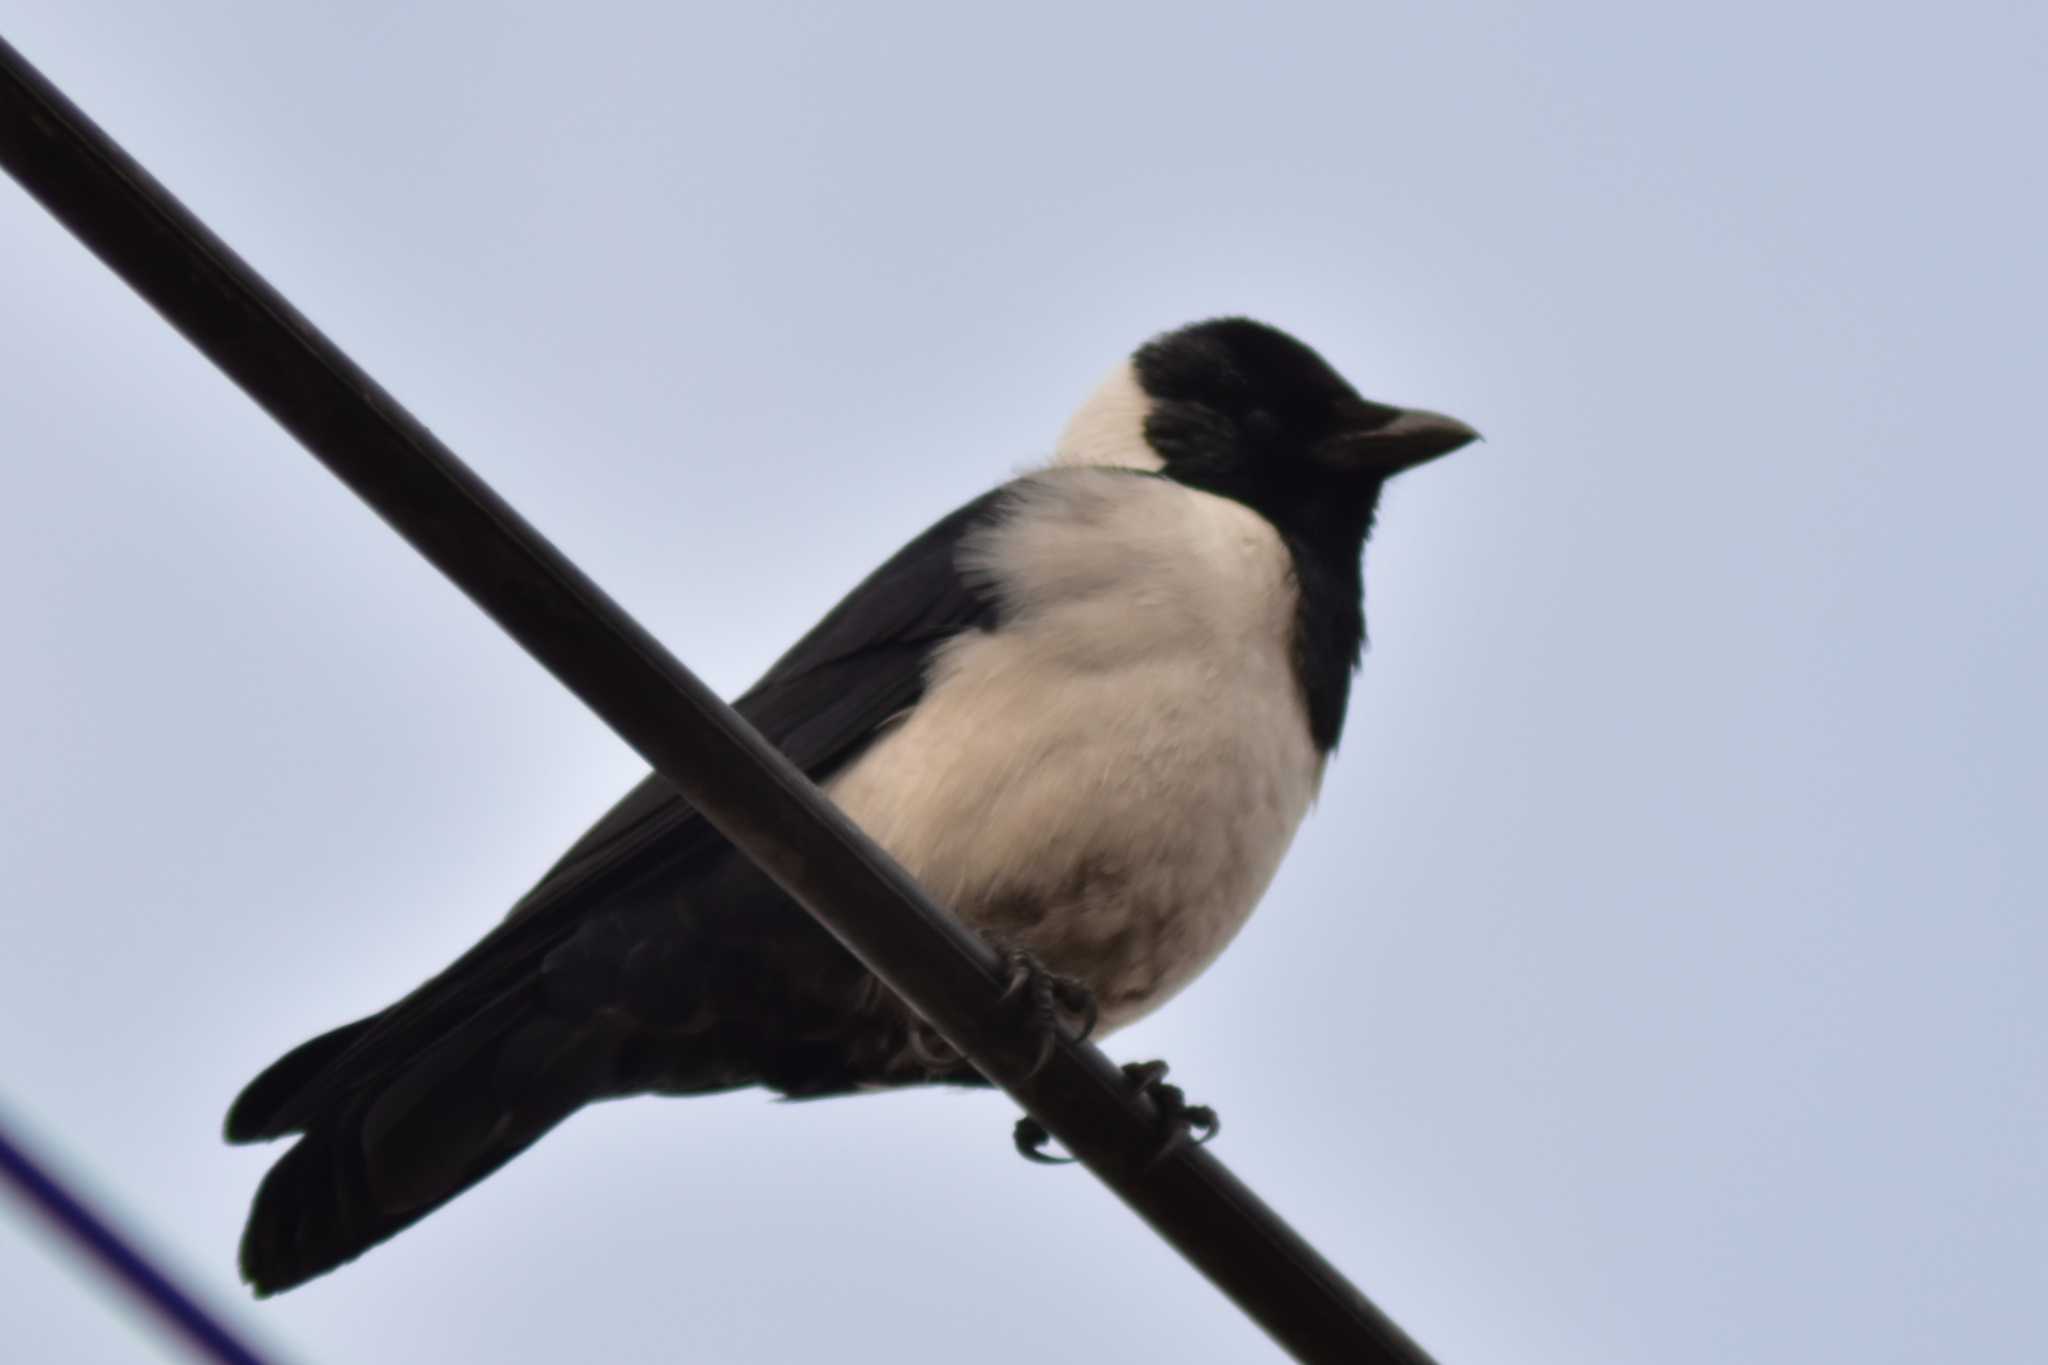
(1110, 778)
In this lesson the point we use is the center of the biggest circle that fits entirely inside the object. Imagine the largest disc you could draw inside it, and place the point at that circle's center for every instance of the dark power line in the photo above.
(184, 1315)
(747, 789)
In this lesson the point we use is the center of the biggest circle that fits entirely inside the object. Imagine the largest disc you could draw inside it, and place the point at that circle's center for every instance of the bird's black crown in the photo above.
(1234, 399)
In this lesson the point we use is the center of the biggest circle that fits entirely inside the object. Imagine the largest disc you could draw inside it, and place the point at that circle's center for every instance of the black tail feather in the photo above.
(264, 1110)
(316, 1209)
(384, 1154)
(401, 1112)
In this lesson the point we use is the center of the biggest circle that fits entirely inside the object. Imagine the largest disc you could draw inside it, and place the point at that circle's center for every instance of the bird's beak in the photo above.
(1412, 437)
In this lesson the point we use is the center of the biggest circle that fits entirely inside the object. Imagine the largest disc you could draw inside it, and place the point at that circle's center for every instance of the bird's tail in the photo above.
(384, 1145)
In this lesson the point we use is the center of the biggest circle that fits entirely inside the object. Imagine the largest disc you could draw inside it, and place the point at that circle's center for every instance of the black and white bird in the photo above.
(1086, 711)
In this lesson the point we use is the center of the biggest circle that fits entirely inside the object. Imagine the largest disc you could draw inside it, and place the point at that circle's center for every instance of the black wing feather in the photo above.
(821, 703)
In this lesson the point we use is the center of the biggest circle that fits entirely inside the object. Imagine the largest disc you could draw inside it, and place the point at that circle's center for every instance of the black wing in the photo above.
(822, 704)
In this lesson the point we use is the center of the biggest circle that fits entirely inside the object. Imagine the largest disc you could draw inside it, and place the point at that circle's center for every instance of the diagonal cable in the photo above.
(175, 1307)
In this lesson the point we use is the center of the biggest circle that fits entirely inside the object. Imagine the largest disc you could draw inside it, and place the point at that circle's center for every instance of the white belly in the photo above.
(1110, 778)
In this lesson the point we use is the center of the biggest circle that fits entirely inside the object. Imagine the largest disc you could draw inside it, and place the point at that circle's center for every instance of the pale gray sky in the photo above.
(1660, 979)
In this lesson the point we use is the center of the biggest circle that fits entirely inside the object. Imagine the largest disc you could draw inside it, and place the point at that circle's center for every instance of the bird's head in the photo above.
(1243, 409)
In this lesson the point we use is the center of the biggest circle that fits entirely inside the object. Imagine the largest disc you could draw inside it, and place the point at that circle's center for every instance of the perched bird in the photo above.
(1086, 711)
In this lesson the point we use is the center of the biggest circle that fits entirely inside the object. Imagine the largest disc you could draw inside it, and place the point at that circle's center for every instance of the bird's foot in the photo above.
(1180, 1123)
(1057, 1004)
(1031, 1139)
(930, 1048)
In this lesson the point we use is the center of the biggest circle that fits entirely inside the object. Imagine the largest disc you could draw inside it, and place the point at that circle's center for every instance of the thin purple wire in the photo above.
(205, 1333)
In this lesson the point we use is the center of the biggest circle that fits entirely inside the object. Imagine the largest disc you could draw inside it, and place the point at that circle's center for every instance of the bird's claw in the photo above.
(1053, 1001)
(1180, 1123)
(930, 1048)
(1031, 1139)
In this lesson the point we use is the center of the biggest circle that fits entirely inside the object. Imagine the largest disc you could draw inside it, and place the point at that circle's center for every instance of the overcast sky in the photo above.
(1660, 977)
